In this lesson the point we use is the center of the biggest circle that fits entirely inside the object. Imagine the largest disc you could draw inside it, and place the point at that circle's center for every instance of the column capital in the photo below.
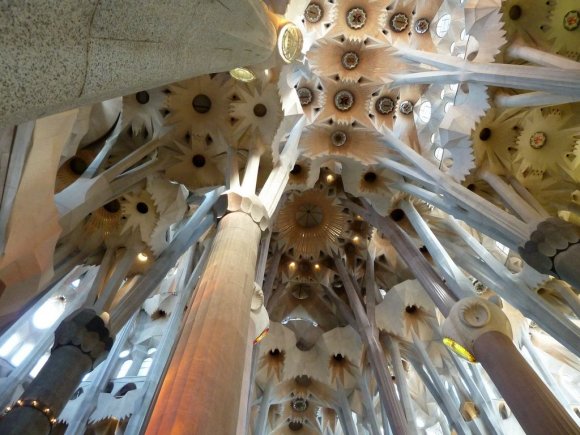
(85, 330)
(238, 201)
(553, 249)
(468, 320)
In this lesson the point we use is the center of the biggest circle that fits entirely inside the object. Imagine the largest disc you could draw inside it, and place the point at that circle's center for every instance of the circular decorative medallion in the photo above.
(309, 215)
(572, 20)
(385, 105)
(538, 140)
(313, 13)
(338, 138)
(305, 96)
(405, 107)
(350, 60)
(343, 100)
(299, 404)
(356, 18)
(399, 22)
(422, 25)
(289, 42)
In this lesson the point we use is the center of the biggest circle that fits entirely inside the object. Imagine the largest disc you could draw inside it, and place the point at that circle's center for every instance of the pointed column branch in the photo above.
(536, 78)
(452, 411)
(378, 361)
(455, 277)
(393, 346)
(511, 198)
(519, 49)
(262, 418)
(431, 281)
(195, 227)
(278, 178)
(533, 99)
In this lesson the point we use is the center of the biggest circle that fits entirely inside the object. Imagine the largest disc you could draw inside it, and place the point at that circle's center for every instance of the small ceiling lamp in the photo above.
(142, 257)
(243, 74)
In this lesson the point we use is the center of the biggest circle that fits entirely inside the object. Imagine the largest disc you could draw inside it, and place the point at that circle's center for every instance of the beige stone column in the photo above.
(202, 389)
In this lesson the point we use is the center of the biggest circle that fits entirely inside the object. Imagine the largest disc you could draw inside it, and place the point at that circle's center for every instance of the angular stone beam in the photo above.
(397, 420)
(533, 78)
(195, 227)
(427, 277)
(455, 278)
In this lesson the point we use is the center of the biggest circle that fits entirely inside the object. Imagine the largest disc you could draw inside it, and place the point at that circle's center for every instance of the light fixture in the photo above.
(142, 257)
(459, 349)
(243, 74)
(261, 336)
(330, 178)
(289, 42)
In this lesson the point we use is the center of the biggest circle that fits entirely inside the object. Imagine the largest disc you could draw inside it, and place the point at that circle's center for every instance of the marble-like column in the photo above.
(203, 387)
(481, 332)
(81, 341)
(87, 51)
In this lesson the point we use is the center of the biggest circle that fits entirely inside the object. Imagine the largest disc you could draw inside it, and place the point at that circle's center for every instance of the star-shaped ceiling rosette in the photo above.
(363, 81)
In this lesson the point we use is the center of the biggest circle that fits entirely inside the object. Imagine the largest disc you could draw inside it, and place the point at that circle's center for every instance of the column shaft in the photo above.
(85, 51)
(533, 404)
(202, 389)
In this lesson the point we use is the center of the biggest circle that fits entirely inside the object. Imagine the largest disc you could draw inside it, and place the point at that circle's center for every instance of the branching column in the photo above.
(202, 389)
(481, 329)
(81, 341)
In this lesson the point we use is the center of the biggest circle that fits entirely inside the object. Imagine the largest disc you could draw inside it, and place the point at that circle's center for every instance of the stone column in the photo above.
(554, 249)
(483, 333)
(202, 389)
(81, 341)
(86, 51)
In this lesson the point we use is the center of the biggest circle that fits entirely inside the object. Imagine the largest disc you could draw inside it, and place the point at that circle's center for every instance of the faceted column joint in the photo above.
(553, 249)
(87, 332)
(83, 333)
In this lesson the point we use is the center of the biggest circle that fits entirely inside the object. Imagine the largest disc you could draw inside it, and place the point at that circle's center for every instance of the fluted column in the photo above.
(81, 341)
(202, 389)
(483, 331)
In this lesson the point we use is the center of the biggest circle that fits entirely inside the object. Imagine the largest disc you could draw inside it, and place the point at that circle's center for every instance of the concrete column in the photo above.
(81, 341)
(79, 52)
(533, 404)
(481, 332)
(202, 389)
